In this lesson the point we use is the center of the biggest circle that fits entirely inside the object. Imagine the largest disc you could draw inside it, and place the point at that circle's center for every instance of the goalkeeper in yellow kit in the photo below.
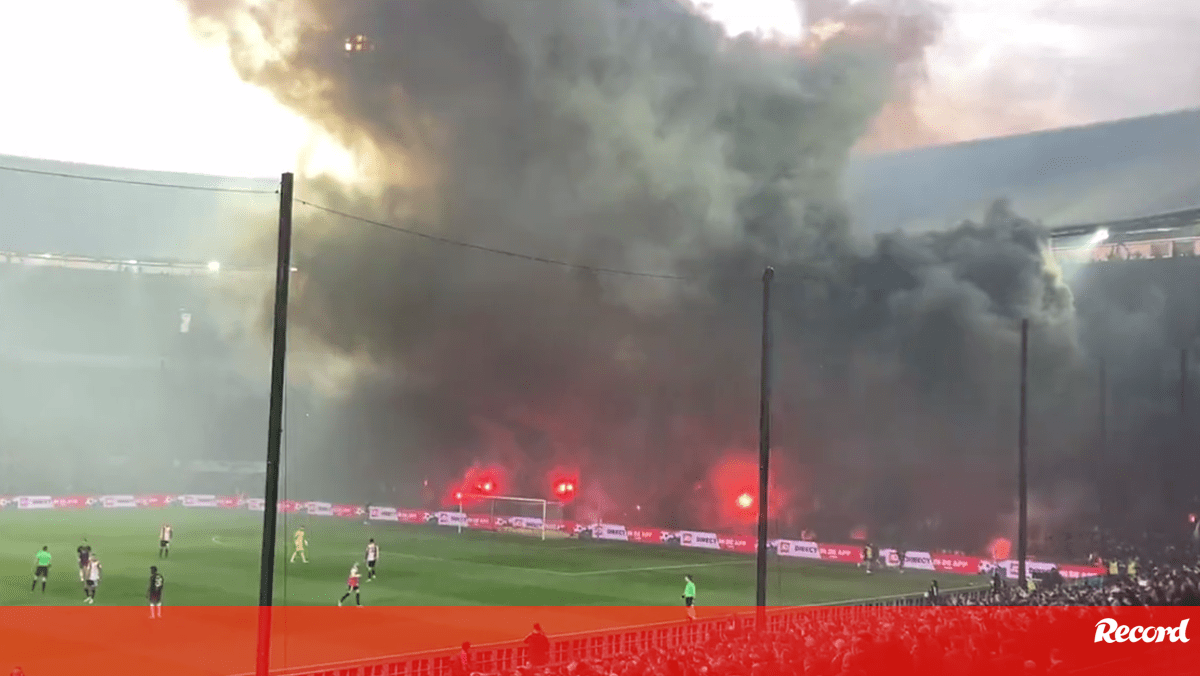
(299, 543)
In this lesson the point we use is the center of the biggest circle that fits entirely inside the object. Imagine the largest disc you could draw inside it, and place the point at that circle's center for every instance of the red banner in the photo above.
(963, 565)
(843, 553)
(742, 545)
(228, 502)
(411, 516)
(348, 511)
(647, 536)
(480, 522)
(77, 502)
(1071, 572)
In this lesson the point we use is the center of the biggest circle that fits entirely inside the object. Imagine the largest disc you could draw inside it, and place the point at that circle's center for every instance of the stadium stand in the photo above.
(66, 310)
(863, 640)
(136, 359)
(889, 636)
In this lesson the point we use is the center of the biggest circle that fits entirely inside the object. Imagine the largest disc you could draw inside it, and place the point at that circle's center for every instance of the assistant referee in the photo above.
(689, 596)
(43, 569)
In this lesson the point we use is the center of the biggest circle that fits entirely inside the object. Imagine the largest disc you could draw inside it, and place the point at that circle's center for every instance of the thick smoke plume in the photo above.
(635, 136)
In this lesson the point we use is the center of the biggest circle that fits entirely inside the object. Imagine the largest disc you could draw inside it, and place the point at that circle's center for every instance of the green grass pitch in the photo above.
(214, 561)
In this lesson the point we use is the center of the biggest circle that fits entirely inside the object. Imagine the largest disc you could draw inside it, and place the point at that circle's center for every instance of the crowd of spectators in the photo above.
(884, 642)
(988, 632)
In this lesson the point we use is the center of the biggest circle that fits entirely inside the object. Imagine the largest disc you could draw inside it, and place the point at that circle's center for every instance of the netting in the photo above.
(526, 516)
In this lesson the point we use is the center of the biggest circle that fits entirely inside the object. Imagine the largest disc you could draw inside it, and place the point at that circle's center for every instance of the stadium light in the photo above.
(214, 266)
(1099, 236)
(745, 501)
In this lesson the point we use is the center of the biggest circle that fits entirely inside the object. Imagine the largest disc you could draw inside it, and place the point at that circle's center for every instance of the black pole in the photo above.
(283, 269)
(1104, 501)
(764, 449)
(1183, 384)
(778, 565)
(1103, 409)
(1022, 488)
(1172, 470)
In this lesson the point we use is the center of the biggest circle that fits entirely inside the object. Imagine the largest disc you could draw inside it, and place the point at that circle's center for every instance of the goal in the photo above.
(523, 516)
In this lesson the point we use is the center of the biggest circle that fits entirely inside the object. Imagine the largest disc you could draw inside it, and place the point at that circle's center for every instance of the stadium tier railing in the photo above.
(566, 648)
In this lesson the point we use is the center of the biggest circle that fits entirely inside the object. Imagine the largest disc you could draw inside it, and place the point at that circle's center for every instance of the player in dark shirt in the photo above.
(154, 593)
(85, 555)
(870, 554)
(539, 647)
(461, 666)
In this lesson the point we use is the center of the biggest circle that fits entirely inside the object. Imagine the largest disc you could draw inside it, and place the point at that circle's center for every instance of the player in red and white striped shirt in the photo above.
(352, 587)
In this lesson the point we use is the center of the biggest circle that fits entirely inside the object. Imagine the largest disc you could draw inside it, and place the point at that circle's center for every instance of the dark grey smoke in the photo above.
(633, 135)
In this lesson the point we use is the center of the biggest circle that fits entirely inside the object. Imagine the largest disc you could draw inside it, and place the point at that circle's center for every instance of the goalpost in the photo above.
(524, 516)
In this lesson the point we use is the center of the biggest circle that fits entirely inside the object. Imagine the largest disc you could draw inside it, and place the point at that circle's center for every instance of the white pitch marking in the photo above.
(217, 541)
(648, 569)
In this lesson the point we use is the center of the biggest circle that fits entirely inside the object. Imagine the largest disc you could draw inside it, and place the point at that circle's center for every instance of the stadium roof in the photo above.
(1095, 174)
(1087, 175)
(127, 215)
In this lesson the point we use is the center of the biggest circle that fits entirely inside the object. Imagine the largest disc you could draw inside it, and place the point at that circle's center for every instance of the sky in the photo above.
(113, 84)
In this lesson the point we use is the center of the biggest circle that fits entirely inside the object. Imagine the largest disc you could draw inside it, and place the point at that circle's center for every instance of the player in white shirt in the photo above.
(164, 541)
(93, 580)
(352, 587)
(372, 557)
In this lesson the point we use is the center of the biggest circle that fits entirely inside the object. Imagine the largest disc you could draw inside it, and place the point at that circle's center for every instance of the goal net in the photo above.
(524, 516)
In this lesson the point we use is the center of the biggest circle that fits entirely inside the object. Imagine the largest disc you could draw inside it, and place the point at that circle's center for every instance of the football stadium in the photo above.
(607, 326)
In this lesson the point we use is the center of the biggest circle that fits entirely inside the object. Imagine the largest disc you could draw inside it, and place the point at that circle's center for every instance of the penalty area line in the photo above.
(484, 564)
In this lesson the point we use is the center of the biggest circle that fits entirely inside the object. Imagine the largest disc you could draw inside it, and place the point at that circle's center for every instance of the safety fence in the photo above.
(568, 648)
(713, 632)
(607, 643)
